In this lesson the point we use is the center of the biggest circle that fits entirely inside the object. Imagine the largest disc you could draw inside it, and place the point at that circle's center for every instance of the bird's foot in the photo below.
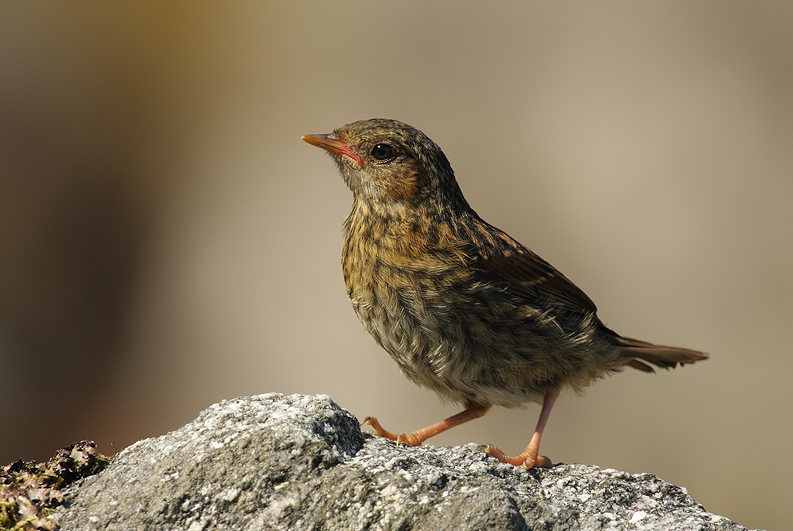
(410, 438)
(527, 459)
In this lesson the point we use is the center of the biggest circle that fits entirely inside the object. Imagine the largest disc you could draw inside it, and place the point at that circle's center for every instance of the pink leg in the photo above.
(419, 436)
(530, 456)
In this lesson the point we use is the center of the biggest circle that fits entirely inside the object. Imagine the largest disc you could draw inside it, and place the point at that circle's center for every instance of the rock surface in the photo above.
(301, 462)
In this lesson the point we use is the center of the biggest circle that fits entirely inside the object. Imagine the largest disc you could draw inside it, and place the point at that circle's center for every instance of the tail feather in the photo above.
(638, 354)
(636, 364)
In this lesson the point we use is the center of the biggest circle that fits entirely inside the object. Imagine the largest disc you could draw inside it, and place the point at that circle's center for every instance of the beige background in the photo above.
(167, 241)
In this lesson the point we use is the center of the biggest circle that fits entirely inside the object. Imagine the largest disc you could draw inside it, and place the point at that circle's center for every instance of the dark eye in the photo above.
(383, 152)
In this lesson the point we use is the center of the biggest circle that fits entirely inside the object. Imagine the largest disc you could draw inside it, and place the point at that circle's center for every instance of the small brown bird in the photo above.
(463, 308)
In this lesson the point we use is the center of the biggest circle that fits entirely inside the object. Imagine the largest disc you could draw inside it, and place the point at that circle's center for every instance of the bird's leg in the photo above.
(419, 436)
(530, 456)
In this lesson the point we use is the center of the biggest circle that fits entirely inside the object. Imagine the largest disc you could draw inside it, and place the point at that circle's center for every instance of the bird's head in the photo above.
(386, 161)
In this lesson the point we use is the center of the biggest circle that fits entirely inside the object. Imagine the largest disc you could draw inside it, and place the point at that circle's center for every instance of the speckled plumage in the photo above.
(462, 307)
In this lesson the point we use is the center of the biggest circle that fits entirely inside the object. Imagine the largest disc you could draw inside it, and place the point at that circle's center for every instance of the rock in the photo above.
(301, 462)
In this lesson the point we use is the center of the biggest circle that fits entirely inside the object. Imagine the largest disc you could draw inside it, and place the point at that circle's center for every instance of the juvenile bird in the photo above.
(463, 308)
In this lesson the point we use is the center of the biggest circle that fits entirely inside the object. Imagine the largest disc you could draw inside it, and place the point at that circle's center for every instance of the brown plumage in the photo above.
(463, 308)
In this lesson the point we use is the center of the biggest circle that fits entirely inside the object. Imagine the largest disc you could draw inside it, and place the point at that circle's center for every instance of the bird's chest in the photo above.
(391, 301)
(401, 294)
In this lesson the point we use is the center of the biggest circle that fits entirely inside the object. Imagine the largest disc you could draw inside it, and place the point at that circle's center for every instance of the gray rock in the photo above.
(301, 462)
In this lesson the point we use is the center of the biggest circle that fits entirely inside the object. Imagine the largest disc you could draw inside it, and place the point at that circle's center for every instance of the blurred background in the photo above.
(167, 241)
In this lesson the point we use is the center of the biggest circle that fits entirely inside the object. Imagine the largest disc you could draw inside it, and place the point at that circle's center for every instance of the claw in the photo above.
(540, 461)
(378, 429)
(486, 448)
(524, 460)
(543, 460)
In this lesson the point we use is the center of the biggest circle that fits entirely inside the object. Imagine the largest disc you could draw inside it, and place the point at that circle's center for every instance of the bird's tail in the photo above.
(638, 354)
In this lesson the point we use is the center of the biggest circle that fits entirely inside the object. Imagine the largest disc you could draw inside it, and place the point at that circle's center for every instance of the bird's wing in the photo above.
(530, 277)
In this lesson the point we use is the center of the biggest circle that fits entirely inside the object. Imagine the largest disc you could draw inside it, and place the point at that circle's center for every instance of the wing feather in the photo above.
(529, 276)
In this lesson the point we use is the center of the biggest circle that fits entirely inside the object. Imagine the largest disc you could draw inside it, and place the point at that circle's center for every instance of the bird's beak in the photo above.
(334, 145)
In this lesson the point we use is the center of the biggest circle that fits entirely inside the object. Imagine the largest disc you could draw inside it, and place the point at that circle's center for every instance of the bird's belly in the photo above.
(468, 341)
(406, 332)
(466, 353)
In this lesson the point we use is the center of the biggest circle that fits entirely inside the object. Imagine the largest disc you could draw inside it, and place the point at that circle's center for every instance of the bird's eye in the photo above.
(383, 152)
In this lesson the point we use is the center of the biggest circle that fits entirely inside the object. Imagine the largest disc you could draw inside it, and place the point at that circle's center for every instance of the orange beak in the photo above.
(333, 145)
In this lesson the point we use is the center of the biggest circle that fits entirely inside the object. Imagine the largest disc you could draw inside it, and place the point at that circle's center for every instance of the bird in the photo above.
(462, 307)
